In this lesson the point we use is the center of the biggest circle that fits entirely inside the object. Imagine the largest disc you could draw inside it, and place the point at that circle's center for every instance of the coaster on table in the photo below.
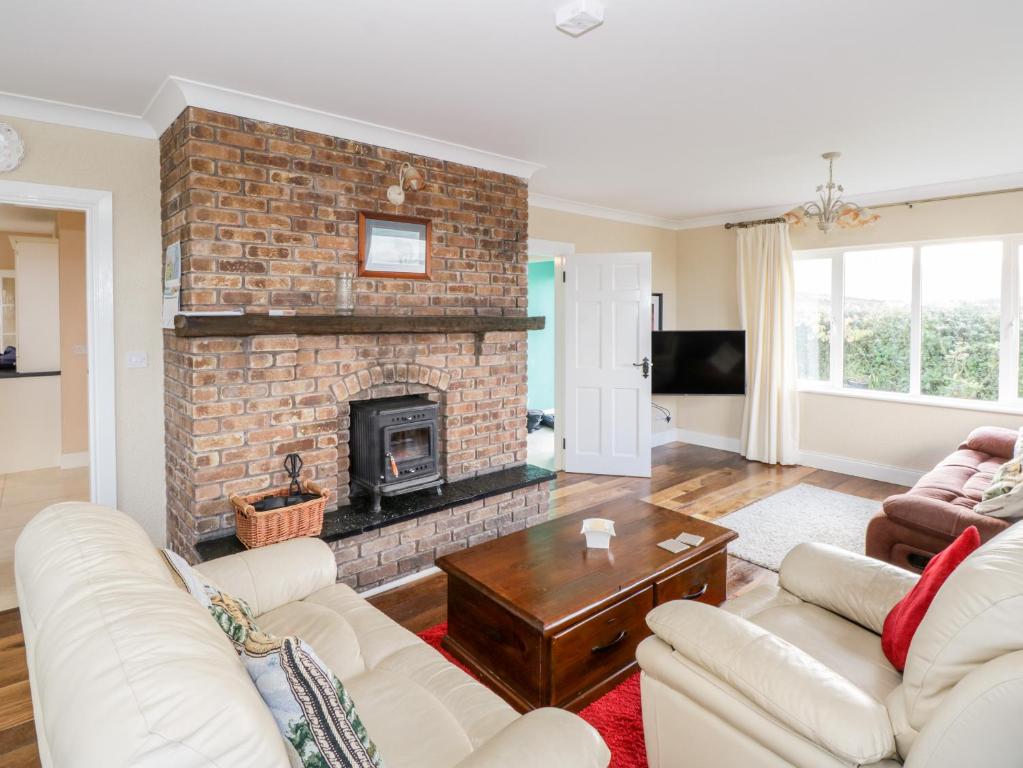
(690, 538)
(674, 546)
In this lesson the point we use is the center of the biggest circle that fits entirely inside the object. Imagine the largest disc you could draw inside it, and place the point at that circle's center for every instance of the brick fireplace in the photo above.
(266, 216)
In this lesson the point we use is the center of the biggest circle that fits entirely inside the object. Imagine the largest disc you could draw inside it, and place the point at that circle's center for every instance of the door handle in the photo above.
(646, 365)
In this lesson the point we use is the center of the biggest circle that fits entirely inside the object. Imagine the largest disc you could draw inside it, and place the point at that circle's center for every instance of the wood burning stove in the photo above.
(394, 446)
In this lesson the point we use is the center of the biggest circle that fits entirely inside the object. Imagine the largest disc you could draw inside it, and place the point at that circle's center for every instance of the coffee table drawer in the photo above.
(703, 581)
(598, 647)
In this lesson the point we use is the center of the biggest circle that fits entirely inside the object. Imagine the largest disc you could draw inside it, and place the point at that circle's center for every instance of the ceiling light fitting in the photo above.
(829, 208)
(578, 17)
(408, 179)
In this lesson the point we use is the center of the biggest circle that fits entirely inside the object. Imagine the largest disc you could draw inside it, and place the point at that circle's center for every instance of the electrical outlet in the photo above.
(80, 349)
(137, 360)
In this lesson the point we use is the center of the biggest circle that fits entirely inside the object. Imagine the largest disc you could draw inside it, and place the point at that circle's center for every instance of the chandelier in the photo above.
(829, 208)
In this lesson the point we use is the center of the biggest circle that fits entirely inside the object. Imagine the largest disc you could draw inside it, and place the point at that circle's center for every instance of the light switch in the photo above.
(138, 360)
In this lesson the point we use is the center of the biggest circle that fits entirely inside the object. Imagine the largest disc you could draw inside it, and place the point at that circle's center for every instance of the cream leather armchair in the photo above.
(126, 669)
(794, 675)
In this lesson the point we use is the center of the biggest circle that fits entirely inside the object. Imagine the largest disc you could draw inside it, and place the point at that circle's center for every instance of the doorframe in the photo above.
(98, 207)
(556, 251)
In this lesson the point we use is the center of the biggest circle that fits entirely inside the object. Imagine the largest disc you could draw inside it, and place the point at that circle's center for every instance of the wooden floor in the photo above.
(698, 481)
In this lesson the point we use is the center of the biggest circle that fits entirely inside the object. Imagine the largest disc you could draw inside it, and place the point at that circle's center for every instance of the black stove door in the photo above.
(409, 451)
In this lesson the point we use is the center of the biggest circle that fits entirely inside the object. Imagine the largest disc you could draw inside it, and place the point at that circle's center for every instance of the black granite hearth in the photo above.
(358, 516)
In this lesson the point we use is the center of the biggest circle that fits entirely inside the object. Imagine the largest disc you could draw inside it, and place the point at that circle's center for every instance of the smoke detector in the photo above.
(579, 16)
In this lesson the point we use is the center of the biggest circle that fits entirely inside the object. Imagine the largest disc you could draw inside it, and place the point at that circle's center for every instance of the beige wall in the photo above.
(707, 285)
(593, 235)
(129, 168)
(30, 414)
(894, 434)
(74, 369)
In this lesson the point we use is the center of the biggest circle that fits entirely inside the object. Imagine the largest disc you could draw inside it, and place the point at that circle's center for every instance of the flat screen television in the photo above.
(699, 362)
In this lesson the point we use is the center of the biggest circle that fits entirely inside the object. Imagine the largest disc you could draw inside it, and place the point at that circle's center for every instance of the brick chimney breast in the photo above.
(266, 216)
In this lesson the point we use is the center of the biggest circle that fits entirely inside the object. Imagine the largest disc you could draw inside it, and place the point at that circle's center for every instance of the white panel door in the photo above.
(607, 384)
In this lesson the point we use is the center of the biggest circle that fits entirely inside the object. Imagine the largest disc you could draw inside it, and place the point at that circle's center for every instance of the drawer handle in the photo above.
(618, 638)
(697, 594)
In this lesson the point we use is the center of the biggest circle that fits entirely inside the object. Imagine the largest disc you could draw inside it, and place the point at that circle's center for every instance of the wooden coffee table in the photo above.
(544, 621)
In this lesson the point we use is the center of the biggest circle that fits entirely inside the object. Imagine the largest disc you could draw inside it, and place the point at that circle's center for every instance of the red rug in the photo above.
(616, 715)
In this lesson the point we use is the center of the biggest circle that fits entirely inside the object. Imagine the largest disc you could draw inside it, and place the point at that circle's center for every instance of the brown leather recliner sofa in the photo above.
(912, 527)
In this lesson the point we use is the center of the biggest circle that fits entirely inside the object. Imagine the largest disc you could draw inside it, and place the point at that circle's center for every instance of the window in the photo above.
(932, 320)
(960, 305)
(813, 319)
(876, 314)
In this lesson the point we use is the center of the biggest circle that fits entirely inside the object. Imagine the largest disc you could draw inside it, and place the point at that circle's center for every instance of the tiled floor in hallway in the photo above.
(22, 494)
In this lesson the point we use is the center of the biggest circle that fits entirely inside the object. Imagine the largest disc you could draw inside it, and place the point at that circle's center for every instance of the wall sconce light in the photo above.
(12, 149)
(408, 178)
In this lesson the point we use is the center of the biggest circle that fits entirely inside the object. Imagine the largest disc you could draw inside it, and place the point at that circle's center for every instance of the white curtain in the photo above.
(770, 420)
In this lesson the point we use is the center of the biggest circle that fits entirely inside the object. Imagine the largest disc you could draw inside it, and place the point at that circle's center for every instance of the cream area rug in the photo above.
(769, 528)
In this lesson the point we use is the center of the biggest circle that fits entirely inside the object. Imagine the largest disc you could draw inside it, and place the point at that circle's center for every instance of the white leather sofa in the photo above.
(794, 675)
(127, 669)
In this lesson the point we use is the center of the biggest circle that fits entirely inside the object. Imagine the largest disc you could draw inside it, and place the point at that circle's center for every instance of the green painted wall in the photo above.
(541, 343)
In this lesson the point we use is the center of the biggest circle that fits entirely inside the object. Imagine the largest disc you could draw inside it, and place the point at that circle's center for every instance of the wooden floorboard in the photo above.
(704, 482)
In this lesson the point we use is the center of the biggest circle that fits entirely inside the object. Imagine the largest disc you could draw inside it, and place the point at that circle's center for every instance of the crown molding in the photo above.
(720, 219)
(46, 111)
(987, 184)
(1003, 182)
(175, 93)
(600, 212)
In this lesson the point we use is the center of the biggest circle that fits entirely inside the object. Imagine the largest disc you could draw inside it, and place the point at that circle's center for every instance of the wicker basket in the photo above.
(257, 529)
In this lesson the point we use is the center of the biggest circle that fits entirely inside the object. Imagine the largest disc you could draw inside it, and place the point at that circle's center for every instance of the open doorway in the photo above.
(44, 370)
(545, 372)
(542, 366)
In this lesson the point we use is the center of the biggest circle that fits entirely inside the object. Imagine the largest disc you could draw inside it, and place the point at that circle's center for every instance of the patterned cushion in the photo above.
(313, 711)
(1006, 477)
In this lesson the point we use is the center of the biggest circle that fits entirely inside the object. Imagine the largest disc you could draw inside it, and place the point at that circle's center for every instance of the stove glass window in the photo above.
(409, 444)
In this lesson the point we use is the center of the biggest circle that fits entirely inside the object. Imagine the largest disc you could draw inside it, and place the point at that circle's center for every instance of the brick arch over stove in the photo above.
(390, 380)
(358, 385)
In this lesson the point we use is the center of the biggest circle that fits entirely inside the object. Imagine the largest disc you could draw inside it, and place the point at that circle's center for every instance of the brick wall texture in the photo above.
(379, 556)
(267, 217)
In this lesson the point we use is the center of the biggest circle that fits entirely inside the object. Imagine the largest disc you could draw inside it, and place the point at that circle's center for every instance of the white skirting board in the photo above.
(884, 472)
(74, 460)
(842, 464)
(400, 582)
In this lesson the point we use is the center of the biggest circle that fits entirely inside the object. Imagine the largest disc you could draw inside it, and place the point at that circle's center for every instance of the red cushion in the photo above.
(906, 615)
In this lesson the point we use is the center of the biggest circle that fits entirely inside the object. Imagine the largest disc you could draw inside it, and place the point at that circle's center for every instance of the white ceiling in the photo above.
(673, 108)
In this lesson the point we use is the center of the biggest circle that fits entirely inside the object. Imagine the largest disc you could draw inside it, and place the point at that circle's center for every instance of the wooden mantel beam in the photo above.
(263, 325)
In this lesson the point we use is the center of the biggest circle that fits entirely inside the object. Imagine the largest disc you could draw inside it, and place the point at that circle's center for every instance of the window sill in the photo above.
(896, 397)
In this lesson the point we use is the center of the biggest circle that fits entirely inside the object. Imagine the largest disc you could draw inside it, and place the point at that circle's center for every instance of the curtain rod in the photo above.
(910, 203)
(746, 224)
